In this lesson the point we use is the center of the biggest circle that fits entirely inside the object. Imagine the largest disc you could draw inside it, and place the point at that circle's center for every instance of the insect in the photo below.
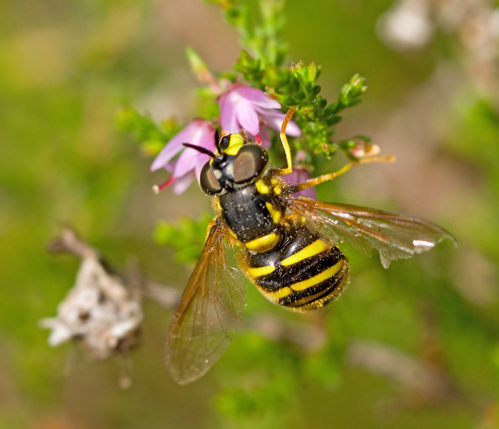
(286, 245)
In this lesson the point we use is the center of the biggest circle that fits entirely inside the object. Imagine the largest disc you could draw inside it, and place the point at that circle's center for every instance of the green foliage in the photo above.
(495, 359)
(293, 85)
(63, 72)
(185, 237)
(149, 134)
(198, 66)
(325, 367)
(474, 136)
(267, 375)
(261, 34)
(264, 387)
(296, 86)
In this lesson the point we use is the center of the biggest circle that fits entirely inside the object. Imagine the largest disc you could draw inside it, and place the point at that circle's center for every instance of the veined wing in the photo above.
(210, 307)
(394, 235)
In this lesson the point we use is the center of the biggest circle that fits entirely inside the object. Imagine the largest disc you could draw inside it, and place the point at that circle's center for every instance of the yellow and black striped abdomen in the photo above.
(304, 271)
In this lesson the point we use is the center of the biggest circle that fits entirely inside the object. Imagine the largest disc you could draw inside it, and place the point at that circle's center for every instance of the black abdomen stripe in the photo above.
(320, 294)
(306, 272)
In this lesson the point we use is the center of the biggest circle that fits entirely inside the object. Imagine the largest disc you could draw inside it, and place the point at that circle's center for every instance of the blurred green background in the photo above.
(66, 69)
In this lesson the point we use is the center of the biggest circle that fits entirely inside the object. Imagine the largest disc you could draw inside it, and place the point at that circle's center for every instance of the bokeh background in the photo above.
(413, 346)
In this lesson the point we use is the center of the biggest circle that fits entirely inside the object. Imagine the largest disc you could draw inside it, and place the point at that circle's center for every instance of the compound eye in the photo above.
(250, 162)
(208, 181)
(224, 143)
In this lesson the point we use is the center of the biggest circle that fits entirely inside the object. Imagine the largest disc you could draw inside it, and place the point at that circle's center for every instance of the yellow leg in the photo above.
(208, 228)
(331, 176)
(285, 144)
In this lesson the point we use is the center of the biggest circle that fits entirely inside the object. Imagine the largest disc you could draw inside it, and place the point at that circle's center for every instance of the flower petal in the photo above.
(174, 146)
(200, 162)
(265, 137)
(182, 183)
(275, 119)
(292, 129)
(207, 138)
(300, 175)
(227, 113)
(257, 97)
(247, 117)
(187, 162)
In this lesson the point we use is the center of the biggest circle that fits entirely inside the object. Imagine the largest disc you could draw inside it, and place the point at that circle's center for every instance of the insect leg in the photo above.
(285, 144)
(208, 228)
(330, 176)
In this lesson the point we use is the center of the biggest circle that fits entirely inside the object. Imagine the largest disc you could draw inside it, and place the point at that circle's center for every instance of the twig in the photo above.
(307, 337)
(413, 374)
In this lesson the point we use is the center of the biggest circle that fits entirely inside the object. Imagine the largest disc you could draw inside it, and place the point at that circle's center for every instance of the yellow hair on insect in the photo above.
(235, 143)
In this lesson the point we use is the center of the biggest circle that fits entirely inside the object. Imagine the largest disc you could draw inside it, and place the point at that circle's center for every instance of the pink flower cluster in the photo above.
(241, 107)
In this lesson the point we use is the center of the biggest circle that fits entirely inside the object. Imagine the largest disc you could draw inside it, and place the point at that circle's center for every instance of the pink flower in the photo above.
(300, 175)
(243, 107)
(189, 164)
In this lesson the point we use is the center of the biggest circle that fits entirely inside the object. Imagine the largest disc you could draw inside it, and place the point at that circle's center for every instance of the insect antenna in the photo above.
(217, 137)
(199, 149)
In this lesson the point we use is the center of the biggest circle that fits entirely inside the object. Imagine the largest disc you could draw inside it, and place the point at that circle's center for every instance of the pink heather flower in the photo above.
(300, 175)
(243, 107)
(189, 164)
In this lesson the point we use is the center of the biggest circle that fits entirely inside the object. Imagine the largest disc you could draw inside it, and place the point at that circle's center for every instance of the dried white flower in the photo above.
(100, 311)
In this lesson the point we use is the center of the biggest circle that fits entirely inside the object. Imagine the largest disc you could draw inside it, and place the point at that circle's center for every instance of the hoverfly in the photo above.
(286, 247)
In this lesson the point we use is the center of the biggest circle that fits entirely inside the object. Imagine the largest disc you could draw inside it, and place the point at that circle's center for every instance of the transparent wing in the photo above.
(210, 307)
(394, 235)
